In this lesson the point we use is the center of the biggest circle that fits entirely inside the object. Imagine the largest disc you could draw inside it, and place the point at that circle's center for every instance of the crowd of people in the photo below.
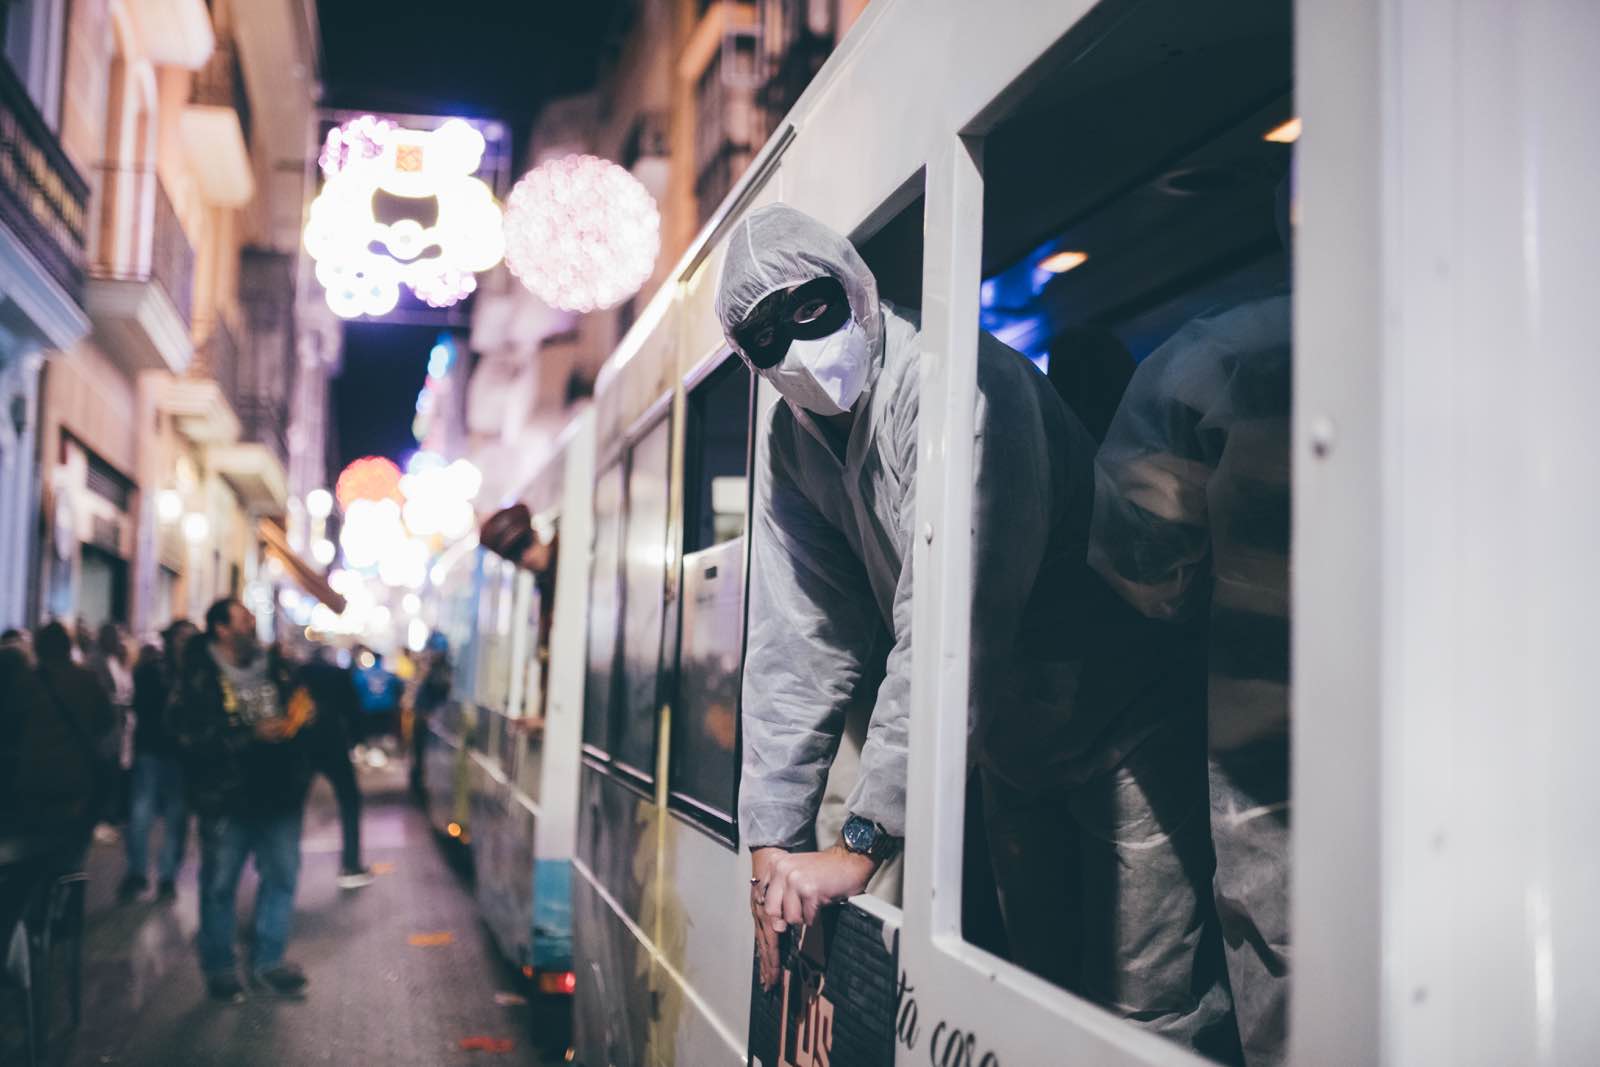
(99, 744)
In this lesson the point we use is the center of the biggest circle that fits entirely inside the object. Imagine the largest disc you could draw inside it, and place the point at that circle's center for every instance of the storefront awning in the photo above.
(303, 573)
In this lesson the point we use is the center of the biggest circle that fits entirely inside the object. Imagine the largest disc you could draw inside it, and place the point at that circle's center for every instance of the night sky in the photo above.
(479, 58)
(375, 397)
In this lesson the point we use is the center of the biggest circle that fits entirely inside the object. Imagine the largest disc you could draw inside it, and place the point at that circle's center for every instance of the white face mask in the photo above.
(825, 376)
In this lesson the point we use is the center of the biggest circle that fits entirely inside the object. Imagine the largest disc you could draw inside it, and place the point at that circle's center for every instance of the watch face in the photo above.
(859, 835)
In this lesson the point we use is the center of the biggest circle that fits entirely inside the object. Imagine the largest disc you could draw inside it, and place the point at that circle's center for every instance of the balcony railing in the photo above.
(220, 83)
(264, 421)
(161, 250)
(43, 199)
(218, 359)
(728, 122)
(797, 38)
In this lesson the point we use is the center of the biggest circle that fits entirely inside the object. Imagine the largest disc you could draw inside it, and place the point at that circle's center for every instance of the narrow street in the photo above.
(374, 996)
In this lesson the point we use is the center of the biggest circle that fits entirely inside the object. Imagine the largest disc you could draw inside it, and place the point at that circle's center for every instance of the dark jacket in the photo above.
(152, 686)
(228, 770)
(333, 691)
(63, 720)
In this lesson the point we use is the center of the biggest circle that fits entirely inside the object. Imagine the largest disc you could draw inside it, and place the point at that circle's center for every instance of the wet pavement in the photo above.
(379, 993)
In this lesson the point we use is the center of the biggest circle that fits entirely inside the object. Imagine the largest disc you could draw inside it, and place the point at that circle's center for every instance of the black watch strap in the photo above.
(870, 839)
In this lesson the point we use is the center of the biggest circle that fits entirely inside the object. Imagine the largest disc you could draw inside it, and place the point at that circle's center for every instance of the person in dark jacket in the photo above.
(432, 691)
(236, 721)
(157, 776)
(62, 782)
(333, 691)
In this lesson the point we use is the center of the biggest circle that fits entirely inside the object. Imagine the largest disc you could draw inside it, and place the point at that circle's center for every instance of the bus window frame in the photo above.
(697, 812)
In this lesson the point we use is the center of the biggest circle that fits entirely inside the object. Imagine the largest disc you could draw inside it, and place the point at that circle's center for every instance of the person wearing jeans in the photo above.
(237, 719)
(226, 842)
(158, 790)
(157, 794)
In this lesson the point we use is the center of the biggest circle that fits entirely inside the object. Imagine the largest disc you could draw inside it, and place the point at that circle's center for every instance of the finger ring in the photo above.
(753, 881)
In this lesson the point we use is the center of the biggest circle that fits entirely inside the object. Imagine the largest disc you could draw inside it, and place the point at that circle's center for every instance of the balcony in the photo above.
(796, 41)
(141, 290)
(728, 122)
(201, 401)
(216, 129)
(43, 199)
(175, 33)
(255, 461)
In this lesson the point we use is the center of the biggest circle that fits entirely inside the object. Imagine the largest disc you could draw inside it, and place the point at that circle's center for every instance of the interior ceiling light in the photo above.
(1287, 133)
(581, 233)
(1061, 262)
(362, 262)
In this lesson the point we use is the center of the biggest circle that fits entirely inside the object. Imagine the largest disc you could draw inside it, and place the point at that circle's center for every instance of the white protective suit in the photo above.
(1191, 526)
(830, 614)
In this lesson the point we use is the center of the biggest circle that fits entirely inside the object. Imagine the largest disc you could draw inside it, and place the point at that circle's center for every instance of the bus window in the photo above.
(1127, 828)
(717, 461)
(535, 690)
(605, 611)
(705, 754)
(644, 575)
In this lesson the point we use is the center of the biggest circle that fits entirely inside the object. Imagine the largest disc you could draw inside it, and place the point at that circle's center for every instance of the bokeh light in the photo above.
(581, 233)
(368, 478)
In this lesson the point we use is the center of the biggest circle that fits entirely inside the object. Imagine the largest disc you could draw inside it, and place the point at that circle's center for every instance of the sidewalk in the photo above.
(374, 996)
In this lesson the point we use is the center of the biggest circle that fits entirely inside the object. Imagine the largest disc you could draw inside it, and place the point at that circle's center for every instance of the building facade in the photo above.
(158, 405)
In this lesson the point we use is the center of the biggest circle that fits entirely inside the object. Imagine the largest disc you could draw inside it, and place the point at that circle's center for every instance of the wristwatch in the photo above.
(867, 838)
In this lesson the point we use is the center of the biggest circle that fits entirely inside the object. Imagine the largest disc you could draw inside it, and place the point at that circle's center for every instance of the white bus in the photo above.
(1443, 157)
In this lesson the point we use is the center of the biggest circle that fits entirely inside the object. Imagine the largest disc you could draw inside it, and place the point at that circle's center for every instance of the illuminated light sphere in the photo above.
(319, 503)
(196, 527)
(169, 506)
(464, 479)
(368, 478)
(411, 603)
(441, 357)
(581, 233)
(372, 531)
(439, 498)
(405, 566)
(417, 635)
(323, 551)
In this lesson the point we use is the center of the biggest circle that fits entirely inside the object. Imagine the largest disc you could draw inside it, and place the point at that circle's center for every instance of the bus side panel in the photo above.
(616, 843)
(442, 766)
(703, 930)
(611, 1015)
(552, 916)
(502, 861)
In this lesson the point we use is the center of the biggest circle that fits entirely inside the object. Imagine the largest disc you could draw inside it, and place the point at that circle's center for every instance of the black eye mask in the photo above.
(805, 313)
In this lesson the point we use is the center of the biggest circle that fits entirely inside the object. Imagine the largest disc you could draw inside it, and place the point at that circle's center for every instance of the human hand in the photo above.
(761, 861)
(274, 729)
(798, 884)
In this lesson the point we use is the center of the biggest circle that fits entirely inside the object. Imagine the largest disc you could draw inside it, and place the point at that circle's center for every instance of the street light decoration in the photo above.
(361, 261)
(368, 478)
(581, 233)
